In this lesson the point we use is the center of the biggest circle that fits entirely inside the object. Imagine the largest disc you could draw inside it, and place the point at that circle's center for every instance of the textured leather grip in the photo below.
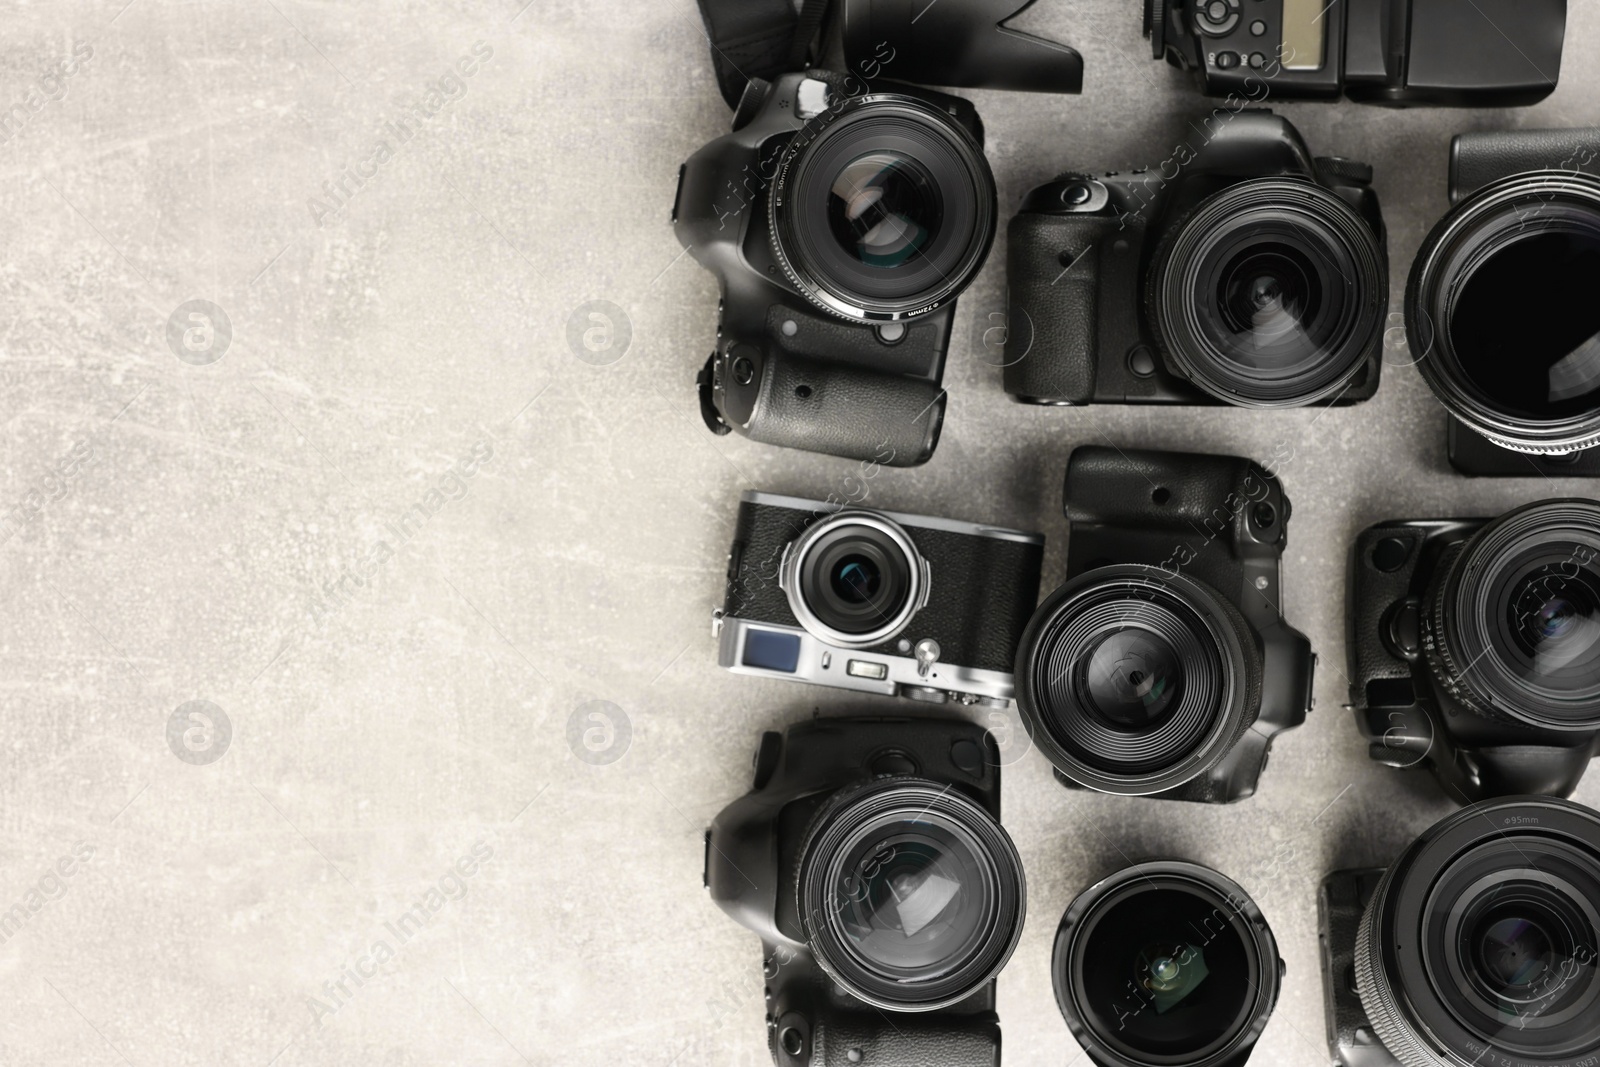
(930, 1043)
(1477, 159)
(843, 411)
(1052, 270)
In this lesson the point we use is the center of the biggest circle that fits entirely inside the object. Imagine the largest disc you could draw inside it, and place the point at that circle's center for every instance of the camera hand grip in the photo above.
(1477, 159)
(849, 412)
(1052, 270)
(932, 1042)
(1161, 490)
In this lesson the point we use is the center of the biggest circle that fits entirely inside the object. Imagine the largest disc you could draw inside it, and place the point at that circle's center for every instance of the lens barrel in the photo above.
(910, 894)
(1271, 293)
(1479, 944)
(854, 579)
(1512, 626)
(1134, 681)
(882, 208)
(1165, 964)
(1501, 315)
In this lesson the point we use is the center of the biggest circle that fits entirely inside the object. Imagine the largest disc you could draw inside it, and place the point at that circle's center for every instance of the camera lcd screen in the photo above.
(771, 650)
(1304, 33)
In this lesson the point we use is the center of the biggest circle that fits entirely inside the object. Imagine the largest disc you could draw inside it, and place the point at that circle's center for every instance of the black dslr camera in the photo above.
(1476, 946)
(1500, 309)
(1166, 963)
(876, 601)
(1242, 271)
(842, 220)
(1475, 647)
(1481, 53)
(1164, 667)
(870, 859)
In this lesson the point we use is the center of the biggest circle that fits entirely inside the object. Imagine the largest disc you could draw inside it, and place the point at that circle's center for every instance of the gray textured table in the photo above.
(398, 535)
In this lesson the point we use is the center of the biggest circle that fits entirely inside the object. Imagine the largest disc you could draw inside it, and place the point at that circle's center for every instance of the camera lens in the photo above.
(1500, 311)
(854, 579)
(1517, 611)
(883, 208)
(1271, 293)
(1134, 680)
(1165, 963)
(1480, 942)
(911, 895)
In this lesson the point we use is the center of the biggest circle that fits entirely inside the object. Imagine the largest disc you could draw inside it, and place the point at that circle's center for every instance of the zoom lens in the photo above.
(1134, 681)
(1516, 612)
(1501, 313)
(911, 895)
(854, 579)
(1271, 293)
(883, 208)
(1166, 964)
(1480, 942)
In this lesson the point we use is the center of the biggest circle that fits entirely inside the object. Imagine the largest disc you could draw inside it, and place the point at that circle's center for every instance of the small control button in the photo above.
(865, 668)
(1258, 28)
(1257, 60)
(1217, 10)
(965, 755)
(1076, 193)
(1227, 60)
(744, 371)
(1141, 361)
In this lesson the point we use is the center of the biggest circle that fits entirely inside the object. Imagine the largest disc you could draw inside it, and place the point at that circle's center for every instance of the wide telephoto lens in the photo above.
(1165, 964)
(1135, 681)
(910, 894)
(1479, 945)
(1515, 614)
(1502, 316)
(882, 208)
(1271, 293)
(854, 579)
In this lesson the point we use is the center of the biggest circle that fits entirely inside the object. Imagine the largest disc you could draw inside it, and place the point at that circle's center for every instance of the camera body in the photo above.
(971, 590)
(1083, 256)
(1341, 902)
(753, 859)
(1408, 716)
(794, 364)
(1399, 53)
(1222, 521)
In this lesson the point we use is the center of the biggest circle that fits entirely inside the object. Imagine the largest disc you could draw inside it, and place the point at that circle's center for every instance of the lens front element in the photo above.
(910, 894)
(883, 208)
(1165, 963)
(1516, 617)
(1480, 942)
(854, 579)
(1272, 293)
(1136, 681)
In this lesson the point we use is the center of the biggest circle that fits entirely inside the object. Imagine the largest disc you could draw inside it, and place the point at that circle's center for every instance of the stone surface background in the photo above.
(179, 520)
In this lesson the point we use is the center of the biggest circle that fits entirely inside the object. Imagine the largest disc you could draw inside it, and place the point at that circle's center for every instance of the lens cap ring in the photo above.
(1120, 1028)
(979, 868)
(1315, 335)
(1406, 1002)
(927, 148)
(1215, 707)
(1469, 643)
(1462, 246)
(887, 544)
